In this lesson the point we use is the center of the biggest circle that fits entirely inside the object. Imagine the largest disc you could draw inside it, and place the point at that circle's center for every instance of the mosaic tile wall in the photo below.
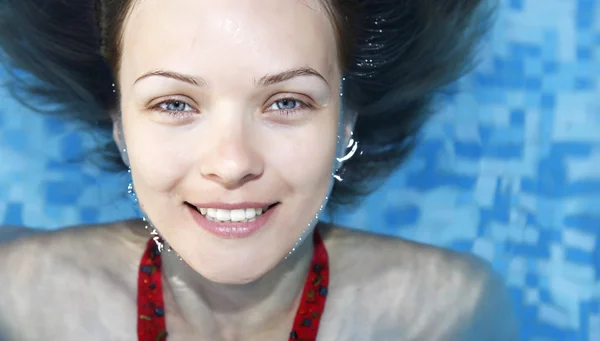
(508, 170)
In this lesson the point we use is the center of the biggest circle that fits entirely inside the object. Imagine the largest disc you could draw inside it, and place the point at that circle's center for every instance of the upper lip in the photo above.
(234, 206)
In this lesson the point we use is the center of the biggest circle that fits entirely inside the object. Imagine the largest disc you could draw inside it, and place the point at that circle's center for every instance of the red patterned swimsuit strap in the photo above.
(151, 311)
(314, 295)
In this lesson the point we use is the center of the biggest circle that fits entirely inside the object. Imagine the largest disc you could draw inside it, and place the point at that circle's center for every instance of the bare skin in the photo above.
(80, 284)
(235, 105)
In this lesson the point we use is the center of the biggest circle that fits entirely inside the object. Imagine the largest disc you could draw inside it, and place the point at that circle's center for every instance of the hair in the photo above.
(396, 57)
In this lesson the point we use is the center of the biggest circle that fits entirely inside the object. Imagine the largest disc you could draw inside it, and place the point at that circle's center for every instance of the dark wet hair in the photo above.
(397, 55)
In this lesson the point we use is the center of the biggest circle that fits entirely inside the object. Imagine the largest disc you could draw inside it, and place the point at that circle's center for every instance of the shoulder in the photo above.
(78, 246)
(432, 292)
(57, 273)
(392, 256)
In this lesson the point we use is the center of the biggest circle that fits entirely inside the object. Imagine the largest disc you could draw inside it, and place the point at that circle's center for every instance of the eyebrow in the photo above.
(262, 82)
(197, 81)
(288, 74)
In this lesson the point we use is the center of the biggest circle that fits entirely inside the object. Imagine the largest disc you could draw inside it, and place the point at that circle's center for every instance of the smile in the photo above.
(243, 215)
(232, 222)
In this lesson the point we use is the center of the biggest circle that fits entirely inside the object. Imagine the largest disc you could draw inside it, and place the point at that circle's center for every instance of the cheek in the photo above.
(306, 159)
(158, 160)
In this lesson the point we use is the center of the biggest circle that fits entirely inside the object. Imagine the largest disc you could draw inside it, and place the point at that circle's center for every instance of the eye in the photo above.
(171, 106)
(288, 106)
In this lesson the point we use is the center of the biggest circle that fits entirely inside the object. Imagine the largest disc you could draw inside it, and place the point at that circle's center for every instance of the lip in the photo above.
(236, 206)
(233, 230)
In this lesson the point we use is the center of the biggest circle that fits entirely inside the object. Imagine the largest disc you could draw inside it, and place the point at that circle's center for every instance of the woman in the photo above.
(237, 120)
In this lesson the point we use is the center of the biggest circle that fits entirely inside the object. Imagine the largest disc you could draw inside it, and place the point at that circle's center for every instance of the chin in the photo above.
(233, 280)
(236, 267)
(238, 275)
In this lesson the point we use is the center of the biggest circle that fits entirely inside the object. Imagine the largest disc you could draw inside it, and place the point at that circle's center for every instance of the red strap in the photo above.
(151, 309)
(312, 304)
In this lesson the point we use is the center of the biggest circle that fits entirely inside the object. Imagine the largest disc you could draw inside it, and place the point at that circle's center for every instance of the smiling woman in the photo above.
(238, 121)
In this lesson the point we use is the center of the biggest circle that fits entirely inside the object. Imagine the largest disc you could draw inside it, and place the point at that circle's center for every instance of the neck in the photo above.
(232, 312)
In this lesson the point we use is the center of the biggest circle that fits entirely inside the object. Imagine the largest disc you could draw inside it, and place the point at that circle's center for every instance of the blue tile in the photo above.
(517, 117)
(532, 84)
(584, 53)
(89, 215)
(17, 139)
(578, 256)
(531, 279)
(469, 150)
(72, 146)
(401, 216)
(516, 4)
(548, 101)
(584, 84)
(62, 192)
(54, 125)
(550, 67)
(14, 214)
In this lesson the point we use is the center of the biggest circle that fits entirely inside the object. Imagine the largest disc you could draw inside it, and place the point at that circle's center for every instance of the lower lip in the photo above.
(232, 230)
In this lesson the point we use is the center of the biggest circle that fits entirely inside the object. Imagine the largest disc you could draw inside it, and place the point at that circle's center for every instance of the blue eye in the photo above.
(174, 106)
(288, 106)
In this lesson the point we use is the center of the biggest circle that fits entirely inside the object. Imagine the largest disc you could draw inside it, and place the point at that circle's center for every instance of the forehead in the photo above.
(229, 35)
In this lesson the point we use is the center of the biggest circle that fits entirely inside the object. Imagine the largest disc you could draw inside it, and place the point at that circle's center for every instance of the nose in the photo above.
(233, 157)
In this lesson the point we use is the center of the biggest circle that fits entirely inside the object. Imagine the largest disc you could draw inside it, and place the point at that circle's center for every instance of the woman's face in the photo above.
(230, 107)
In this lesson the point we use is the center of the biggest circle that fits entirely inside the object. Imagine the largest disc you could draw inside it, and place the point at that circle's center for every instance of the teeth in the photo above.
(243, 221)
(239, 215)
